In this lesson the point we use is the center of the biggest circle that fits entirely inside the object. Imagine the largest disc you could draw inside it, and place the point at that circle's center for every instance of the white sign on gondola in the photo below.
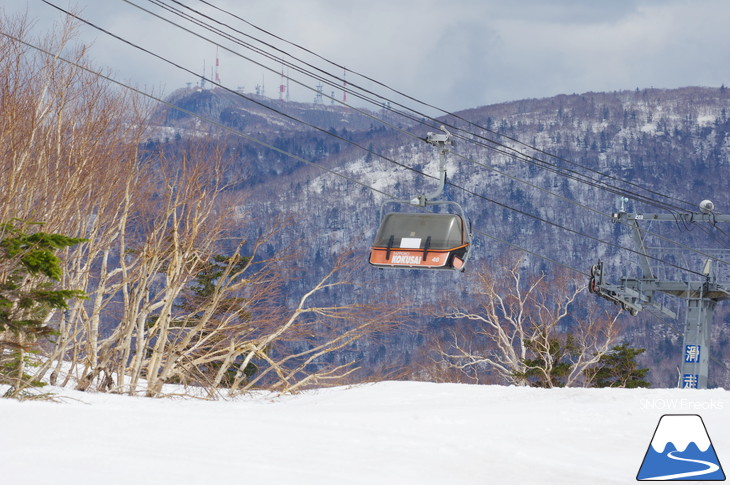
(410, 243)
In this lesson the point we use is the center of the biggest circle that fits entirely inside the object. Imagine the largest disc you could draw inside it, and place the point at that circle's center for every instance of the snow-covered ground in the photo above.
(386, 433)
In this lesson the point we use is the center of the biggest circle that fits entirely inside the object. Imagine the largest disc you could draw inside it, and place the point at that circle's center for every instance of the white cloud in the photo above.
(456, 54)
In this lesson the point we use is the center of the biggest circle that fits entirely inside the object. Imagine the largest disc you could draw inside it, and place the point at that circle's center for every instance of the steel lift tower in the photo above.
(636, 294)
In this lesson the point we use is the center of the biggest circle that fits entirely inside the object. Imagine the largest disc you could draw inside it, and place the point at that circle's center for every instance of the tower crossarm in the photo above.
(702, 296)
(694, 289)
(709, 217)
(633, 296)
(632, 221)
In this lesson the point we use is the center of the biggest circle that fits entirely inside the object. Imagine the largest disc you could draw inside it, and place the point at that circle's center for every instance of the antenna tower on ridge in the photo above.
(202, 77)
(318, 97)
(217, 64)
(282, 87)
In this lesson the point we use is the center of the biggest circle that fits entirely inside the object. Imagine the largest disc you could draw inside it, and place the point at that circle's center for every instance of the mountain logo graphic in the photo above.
(681, 450)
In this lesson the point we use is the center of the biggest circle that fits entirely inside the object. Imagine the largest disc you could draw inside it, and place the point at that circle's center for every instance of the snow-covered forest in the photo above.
(223, 244)
(210, 250)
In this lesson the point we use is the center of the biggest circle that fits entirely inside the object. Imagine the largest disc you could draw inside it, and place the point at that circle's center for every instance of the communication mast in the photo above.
(318, 99)
(202, 77)
(261, 88)
(282, 87)
(217, 65)
(636, 294)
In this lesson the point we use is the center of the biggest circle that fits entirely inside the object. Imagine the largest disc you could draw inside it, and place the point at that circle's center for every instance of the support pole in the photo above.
(702, 296)
(696, 344)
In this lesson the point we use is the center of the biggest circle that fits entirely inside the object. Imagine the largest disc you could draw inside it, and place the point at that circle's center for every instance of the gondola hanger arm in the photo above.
(442, 141)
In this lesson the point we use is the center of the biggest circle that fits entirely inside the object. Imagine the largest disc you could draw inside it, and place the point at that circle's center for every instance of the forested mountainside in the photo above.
(542, 174)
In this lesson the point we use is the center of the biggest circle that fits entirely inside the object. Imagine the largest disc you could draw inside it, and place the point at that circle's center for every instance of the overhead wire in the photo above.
(576, 175)
(268, 107)
(222, 126)
(158, 2)
(419, 118)
(504, 148)
(462, 188)
(591, 209)
(193, 114)
(236, 93)
(280, 61)
(573, 231)
(441, 110)
(517, 154)
(570, 175)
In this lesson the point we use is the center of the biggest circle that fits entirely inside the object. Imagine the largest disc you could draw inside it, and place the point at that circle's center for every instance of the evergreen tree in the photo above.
(550, 369)
(618, 368)
(199, 295)
(29, 276)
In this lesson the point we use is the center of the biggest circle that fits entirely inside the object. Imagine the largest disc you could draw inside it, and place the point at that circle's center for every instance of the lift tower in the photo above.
(636, 294)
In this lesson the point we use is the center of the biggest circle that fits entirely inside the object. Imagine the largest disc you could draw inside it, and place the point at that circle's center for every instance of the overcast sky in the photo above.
(455, 54)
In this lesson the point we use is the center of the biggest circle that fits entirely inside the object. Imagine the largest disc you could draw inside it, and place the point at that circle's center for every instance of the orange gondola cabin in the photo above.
(421, 241)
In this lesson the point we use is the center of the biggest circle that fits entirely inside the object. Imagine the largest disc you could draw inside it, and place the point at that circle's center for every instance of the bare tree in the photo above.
(324, 329)
(521, 330)
(68, 150)
(154, 226)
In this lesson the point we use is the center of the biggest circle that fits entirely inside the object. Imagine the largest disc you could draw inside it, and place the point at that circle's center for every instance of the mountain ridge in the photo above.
(675, 143)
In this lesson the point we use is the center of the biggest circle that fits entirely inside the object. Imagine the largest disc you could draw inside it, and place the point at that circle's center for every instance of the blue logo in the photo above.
(690, 381)
(681, 450)
(692, 354)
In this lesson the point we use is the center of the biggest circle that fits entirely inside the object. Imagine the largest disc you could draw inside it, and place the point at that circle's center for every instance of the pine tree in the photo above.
(618, 368)
(549, 368)
(199, 296)
(29, 275)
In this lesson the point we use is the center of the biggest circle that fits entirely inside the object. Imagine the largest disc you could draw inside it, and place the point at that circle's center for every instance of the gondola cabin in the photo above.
(421, 241)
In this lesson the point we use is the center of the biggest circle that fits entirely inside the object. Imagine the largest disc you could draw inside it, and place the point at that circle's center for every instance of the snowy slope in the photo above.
(385, 433)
